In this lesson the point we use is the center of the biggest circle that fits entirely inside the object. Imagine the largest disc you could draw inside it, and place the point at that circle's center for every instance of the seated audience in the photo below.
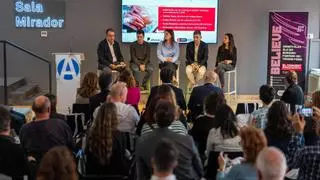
(293, 95)
(252, 141)
(133, 96)
(106, 146)
(44, 133)
(224, 136)
(259, 117)
(164, 92)
(279, 129)
(127, 115)
(203, 124)
(166, 76)
(57, 164)
(12, 159)
(164, 160)
(189, 164)
(53, 113)
(105, 80)
(271, 164)
(88, 88)
(198, 94)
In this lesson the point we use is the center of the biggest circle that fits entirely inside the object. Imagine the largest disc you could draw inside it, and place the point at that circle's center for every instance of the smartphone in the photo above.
(306, 112)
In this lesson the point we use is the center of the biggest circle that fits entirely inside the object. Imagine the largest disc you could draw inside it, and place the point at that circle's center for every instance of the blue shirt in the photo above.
(165, 51)
(244, 171)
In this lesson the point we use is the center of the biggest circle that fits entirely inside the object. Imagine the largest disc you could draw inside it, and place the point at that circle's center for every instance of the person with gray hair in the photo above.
(44, 133)
(271, 164)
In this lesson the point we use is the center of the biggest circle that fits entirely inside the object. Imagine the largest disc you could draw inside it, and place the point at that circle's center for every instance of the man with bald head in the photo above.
(271, 164)
(199, 93)
(42, 134)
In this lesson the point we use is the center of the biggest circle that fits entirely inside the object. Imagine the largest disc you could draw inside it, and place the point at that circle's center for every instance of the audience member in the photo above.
(198, 94)
(12, 159)
(259, 117)
(53, 113)
(166, 76)
(106, 146)
(133, 96)
(271, 164)
(105, 80)
(164, 160)
(44, 133)
(164, 92)
(224, 136)
(189, 165)
(279, 129)
(57, 164)
(252, 141)
(293, 95)
(88, 88)
(203, 124)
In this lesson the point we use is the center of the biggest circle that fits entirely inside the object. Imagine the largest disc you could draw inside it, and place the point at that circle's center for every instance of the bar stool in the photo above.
(229, 91)
(177, 78)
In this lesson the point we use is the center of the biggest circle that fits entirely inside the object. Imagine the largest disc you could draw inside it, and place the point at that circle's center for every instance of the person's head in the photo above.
(57, 164)
(212, 101)
(53, 101)
(165, 158)
(140, 36)
(5, 121)
(89, 85)
(165, 113)
(292, 77)
(105, 80)
(110, 35)
(316, 99)
(226, 120)
(127, 77)
(102, 131)
(168, 36)
(267, 94)
(118, 92)
(228, 41)
(278, 124)
(271, 164)
(253, 141)
(197, 37)
(41, 107)
(166, 75)
(210, 77)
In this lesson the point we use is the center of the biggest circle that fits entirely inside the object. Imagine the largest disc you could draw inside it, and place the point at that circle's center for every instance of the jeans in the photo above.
(195, 77)
(136, 69)
(221, 69)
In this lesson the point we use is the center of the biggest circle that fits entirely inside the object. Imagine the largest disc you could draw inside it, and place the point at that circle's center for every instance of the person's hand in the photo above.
(169, 59)
(122, 64)
(298, 122)
(136, 19)
(113, 66)
(142, 67)
(222, 161)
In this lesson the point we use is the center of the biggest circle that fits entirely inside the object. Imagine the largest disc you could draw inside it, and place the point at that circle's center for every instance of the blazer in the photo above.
(189, 164)
(202, 53)
(224, 54)
(178, 92)
(105, 56)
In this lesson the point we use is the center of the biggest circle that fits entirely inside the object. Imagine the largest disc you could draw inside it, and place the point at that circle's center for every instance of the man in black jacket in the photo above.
(197, 57)
(109, 53)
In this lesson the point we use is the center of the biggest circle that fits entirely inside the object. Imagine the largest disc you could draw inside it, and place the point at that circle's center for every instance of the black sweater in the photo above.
(225, 54)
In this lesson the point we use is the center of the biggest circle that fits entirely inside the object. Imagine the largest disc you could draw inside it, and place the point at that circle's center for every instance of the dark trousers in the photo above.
(136, 69)
(221, 69)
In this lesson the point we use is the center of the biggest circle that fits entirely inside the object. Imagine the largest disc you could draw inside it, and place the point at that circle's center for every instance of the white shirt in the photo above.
(114, 58)
(217, 143)
(171, 177)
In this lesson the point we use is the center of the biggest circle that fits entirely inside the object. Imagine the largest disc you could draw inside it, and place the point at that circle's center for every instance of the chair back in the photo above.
(82, 108)
(246, 108)
(76, 122)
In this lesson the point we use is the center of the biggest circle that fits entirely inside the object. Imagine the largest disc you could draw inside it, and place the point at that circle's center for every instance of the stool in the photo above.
(229, 92)
(177, 78)
(114, 74)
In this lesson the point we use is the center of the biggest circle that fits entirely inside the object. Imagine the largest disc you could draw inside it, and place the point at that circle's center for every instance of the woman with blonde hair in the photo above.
(106, 146)
(88, 88)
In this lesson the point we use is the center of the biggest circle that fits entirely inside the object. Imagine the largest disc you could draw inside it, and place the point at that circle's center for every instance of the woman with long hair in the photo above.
(106, 146)
(226, 57)
(168, 51)
(88, 88)
(224, 136)
(57, 164)
(133, 96)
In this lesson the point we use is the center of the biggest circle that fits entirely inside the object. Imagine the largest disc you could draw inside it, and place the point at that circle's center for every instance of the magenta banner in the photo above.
(287, 48)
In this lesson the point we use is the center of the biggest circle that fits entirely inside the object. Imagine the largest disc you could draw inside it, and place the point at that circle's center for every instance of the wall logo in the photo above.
(68, 70)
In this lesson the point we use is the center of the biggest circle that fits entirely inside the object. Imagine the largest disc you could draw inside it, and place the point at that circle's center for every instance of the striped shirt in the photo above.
(176, 126)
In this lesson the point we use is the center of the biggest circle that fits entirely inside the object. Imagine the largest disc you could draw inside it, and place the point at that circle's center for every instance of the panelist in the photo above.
(197, 57)
(109, 53)
(140, 59)
(168, 51)
(226, 57)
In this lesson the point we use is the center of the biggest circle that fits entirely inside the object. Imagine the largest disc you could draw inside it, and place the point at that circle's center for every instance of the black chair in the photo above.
(82, 108)
(211, 170)
(246, 108)
(76, 123)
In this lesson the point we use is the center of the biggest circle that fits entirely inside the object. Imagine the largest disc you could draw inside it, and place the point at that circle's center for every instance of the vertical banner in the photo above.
(287, 48)
(68, 80)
